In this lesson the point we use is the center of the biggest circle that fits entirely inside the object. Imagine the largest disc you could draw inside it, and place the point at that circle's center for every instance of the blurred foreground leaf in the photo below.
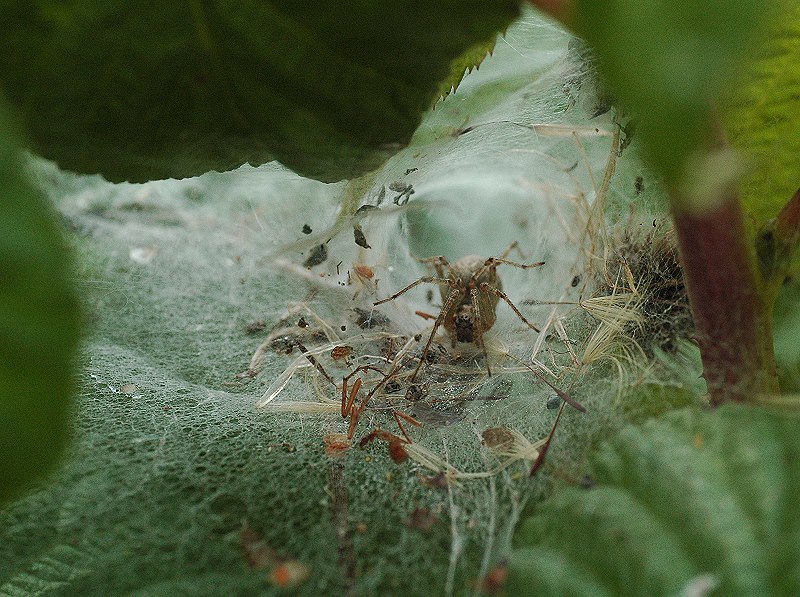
(762, 117)
(38, 326)
(667, 62)
(174, 90)
(694, 501)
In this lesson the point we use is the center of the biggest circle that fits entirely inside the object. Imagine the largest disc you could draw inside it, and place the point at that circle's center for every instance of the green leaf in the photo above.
(762, 117)
(695, 499)
(667, 62)
(137, 93)
(38, 326)
(464, 64)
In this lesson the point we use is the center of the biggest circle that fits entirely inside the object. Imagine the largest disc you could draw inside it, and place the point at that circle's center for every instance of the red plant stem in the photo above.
(560, 9)
(733, 325)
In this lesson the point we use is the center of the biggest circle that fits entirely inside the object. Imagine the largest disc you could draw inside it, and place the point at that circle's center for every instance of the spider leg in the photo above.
(493, 262)
(439, 263)
(477, 327)
(498, 260)
(488, 288)
(435, 259)
(448, 305)
(511, 247)
(422, 280)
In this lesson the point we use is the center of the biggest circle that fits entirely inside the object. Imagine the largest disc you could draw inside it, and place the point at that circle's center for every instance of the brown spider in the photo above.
(470, 293)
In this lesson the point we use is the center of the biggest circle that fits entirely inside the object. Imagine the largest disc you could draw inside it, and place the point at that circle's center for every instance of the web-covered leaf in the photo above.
(187, 280)
(139, 93)
(693, 502)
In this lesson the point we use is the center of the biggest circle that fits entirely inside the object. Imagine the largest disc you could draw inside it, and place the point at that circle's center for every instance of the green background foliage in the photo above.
(38, 324)
(691, 498)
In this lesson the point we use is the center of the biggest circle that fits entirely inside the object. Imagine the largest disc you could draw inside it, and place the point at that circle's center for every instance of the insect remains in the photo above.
(380, 368)
(470, 290)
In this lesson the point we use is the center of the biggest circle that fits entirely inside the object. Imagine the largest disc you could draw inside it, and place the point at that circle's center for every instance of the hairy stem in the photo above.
(733, 321)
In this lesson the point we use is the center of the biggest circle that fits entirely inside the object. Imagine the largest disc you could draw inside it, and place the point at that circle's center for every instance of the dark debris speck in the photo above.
(255, 326)
(318, 255)
(370, 319)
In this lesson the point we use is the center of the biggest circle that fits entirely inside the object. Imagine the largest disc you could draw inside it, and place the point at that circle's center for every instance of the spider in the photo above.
(470, 292)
